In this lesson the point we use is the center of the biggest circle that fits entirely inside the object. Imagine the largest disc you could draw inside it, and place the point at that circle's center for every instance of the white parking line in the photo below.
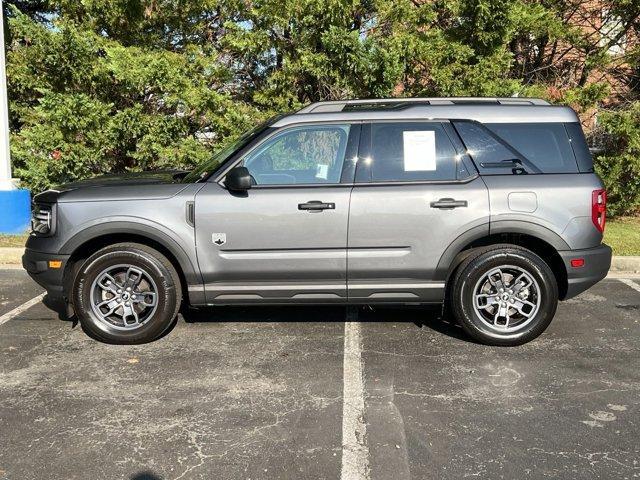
(355, 453)
(18, 310)
(630, 283)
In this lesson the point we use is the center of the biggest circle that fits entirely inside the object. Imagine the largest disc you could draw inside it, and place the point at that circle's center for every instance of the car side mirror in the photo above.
(238, 179)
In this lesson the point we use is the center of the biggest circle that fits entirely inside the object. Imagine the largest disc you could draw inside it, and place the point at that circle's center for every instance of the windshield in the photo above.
(207, 167)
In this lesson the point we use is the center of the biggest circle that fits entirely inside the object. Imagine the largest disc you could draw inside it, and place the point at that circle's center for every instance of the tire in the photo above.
(126, 293)
(515, 315)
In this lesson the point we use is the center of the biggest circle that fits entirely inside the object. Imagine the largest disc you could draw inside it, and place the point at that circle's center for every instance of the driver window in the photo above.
(300, 155)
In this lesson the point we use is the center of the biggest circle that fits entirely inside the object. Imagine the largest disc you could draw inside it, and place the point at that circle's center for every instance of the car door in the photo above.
(283, 240)
(416, 193)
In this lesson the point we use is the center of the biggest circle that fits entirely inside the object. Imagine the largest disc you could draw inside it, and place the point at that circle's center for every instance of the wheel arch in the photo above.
(93, 238)
(539, 240)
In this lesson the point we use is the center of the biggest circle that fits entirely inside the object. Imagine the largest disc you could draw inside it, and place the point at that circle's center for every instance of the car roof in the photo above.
(481, 109)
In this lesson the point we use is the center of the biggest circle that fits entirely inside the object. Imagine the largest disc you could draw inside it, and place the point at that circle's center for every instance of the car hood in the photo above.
(137, 178)
(99, 186)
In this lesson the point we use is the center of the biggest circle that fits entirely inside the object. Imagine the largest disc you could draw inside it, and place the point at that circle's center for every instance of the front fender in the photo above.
(140, 227)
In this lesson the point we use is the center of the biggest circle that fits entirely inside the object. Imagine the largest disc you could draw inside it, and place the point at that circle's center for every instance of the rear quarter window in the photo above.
(546, 145)
(580, 147)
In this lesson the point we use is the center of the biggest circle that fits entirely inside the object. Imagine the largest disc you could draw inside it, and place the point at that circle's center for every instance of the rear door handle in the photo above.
(449, 203)
(316, 206)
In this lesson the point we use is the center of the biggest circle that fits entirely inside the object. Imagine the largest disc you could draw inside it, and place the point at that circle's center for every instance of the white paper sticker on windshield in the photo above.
(419, 151)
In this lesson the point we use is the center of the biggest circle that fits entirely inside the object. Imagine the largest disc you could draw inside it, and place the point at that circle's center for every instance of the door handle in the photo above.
(316, 206)
(449, 203)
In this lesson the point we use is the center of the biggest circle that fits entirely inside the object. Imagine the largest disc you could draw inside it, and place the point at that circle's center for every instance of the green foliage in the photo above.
(101, 86)
(84, 104)
(620, 165)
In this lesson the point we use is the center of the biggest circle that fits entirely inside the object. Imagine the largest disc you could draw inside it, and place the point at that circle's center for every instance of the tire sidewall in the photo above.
(153, 327)
(479, 267)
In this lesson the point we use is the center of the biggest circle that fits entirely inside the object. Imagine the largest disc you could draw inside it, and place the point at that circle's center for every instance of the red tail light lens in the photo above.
(599, 208)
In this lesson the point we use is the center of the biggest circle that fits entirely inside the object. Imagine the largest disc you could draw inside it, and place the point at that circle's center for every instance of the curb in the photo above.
(630, 264)
(11, 257)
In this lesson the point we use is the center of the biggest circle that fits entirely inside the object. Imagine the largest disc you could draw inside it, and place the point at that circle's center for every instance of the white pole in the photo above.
(5, 158)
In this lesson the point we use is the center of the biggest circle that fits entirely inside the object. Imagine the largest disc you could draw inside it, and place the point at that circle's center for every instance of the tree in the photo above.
(84, 101)
(619, 165)
(121, 85)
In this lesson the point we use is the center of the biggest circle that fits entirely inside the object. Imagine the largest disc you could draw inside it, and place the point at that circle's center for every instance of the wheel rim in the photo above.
(506, 298)
(124, 297)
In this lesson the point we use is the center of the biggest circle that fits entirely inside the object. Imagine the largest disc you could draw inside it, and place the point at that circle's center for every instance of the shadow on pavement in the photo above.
(145, 475)
(421, 316)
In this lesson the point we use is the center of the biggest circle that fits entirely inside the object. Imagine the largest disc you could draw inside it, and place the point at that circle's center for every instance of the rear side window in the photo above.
(489, 152)
(546, 145)
(580, 147)
(538, 147)
(412, 151)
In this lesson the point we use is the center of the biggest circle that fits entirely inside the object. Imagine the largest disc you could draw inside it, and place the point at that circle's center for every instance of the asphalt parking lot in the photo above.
(272, 392)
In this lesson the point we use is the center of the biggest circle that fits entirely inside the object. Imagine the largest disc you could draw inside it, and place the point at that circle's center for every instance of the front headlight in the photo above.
(42, 219)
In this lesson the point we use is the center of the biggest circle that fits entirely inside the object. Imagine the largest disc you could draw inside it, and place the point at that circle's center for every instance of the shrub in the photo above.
(619, 163)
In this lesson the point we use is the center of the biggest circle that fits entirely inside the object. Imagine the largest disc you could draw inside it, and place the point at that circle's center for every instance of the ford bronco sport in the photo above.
(490, 206)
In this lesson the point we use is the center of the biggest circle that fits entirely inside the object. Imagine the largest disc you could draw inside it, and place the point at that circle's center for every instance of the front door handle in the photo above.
(316, 206)
(449, 203)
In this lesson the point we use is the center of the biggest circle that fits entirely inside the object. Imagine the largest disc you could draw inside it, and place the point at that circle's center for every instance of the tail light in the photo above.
(599, 208)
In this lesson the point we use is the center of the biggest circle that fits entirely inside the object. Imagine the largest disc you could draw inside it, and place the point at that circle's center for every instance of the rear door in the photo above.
(284, 240)
(416, 193)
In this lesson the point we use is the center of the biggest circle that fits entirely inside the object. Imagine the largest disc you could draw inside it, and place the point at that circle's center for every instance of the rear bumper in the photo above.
(52, 279)
(596, 266)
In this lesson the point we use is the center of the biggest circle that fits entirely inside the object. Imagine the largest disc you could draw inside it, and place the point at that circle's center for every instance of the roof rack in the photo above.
(401, 103)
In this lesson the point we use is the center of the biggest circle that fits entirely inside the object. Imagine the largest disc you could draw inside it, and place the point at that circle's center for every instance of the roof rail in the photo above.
(397, 103)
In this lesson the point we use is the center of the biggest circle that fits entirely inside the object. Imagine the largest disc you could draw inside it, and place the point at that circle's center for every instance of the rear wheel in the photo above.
(504, 295)
(126, 293)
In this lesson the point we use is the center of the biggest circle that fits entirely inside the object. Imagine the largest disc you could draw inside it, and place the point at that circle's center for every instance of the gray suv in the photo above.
(489, 206)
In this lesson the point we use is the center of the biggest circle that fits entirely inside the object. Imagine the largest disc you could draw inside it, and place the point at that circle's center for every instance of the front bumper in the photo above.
(596, 266)
(38, 266)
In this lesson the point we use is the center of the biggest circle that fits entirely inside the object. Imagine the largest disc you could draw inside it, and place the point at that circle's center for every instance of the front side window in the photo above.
(411, 151)
(210, 166)
(300, 155)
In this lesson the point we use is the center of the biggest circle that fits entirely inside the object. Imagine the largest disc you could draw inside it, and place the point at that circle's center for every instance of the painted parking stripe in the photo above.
(355, 453)
(18, 310)
(630, 283)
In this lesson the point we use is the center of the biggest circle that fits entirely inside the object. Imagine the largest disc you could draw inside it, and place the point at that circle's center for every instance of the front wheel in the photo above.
(504, 295)
(126, 294)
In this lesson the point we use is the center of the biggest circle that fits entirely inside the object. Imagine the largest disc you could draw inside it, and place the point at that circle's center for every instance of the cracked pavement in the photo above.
(257, 393)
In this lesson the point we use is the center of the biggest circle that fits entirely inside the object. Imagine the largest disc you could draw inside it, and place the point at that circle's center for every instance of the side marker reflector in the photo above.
(577, 262)
(55, 263)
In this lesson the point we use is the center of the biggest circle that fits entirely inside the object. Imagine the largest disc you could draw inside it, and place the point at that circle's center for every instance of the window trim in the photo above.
(366, 139)
(356, 132)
